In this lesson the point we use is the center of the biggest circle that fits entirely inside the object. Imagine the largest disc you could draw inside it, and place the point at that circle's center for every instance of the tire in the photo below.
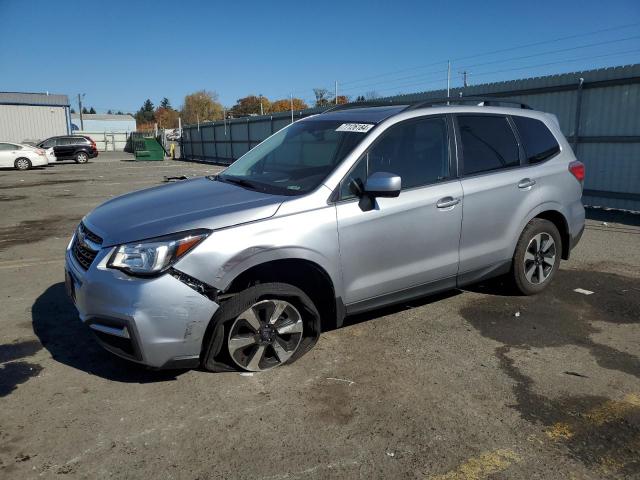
(82, 157)
(537, 257)
(22, 164)
(235, 342)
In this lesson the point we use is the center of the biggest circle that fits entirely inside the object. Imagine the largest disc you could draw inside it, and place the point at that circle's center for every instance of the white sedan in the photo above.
(22, 157)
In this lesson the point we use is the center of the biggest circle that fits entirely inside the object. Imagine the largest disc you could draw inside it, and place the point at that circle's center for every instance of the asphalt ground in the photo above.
(470, 384)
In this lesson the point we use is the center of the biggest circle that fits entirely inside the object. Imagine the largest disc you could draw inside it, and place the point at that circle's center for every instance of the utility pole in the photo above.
(291, 97)
(80, 110)
(464, 78)
(336, 91)
(448, 77)
(261, 109)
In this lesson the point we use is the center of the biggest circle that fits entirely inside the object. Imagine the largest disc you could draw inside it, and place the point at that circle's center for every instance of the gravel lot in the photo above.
(467, 385)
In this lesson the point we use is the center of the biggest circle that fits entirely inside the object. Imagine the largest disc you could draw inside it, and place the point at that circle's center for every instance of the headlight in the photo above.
(153, 256)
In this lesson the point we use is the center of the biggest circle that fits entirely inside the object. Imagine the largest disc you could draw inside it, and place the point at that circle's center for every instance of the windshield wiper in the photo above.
(238, 181)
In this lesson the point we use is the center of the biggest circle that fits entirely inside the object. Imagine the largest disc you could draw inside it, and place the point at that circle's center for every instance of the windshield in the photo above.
(296, 159)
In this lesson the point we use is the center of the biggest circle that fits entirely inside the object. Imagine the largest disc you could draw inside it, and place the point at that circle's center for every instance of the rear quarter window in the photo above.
(538, 142)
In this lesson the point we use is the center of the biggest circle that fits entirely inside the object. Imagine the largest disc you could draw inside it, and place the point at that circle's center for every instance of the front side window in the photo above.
(417, 151)
(488, 143)
(48, 143)
(296, 159)
(539, 143)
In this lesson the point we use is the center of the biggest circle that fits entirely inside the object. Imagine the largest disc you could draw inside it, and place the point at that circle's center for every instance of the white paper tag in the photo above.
(355, 127)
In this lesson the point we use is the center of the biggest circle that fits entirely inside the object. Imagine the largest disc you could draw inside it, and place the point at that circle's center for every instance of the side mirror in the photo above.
(383, 184)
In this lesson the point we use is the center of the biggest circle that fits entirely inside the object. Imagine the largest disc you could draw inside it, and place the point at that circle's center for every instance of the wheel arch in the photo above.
(307, 275)
(552, 212)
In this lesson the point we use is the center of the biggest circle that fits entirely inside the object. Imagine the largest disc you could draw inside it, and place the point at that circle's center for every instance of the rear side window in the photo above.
(488, 143)
(539, 143)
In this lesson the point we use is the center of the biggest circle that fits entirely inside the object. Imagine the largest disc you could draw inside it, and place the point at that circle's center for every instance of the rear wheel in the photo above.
(537, 257)
(22, 164)
(261, 328)
(82, 157)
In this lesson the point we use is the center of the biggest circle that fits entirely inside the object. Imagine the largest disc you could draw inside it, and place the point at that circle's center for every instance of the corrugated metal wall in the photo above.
(30, 122)
(607, 140)
(107, 141)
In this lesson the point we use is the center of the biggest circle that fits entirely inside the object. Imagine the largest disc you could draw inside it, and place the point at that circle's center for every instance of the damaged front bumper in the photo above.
(159, 322)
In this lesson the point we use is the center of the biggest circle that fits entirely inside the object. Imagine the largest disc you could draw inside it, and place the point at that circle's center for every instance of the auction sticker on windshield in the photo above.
(355, 127)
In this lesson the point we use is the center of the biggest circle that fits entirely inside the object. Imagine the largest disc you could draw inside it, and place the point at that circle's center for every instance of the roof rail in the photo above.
(370, 103)
(485, 101)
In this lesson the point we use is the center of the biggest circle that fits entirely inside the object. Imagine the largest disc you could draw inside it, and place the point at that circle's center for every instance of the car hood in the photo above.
(175, 207)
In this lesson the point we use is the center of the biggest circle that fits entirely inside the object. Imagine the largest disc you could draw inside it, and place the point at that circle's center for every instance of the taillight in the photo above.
(39, 151)
(577, 170)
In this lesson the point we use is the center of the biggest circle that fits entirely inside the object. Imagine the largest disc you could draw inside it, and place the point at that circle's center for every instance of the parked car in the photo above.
(21, 157)
(71, 147)
(174, 135)
(336, 214)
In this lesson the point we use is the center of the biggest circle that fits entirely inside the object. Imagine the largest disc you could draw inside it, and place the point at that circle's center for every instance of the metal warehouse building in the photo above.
(33, 116)
(103, 123)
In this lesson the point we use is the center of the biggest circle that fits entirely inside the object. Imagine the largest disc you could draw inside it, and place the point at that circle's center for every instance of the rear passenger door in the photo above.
(497, 194)
(64, 148)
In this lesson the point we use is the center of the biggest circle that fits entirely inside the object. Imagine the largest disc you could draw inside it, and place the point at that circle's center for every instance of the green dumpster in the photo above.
(147, 148)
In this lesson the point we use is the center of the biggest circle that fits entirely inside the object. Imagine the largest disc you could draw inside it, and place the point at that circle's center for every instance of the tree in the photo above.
(146, 114)
(201, 106)
(92, 111)
(167, 117)
(360, 98)
(73, 110)
(250, 105)
(165, 103)
(371, 95)
(84, 110)
(119, 113)
(284, 105)
(109, 112)
(342, 99)
(322, 97)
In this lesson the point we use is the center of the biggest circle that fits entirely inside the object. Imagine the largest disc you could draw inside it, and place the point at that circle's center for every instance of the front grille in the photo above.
(82, 251)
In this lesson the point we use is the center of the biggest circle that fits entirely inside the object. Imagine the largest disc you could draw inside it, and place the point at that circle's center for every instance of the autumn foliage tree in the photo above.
(167, 117)
(201, 106)
(284, 105)
(250, 105)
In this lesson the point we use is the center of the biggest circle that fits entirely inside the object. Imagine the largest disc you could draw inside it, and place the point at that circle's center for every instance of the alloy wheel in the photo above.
(539, 258)
(265, 335)
(82, 158)
(22, 164)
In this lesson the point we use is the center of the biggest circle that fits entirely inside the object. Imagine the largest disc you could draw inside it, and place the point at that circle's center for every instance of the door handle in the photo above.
(447, 202)
(526, 183)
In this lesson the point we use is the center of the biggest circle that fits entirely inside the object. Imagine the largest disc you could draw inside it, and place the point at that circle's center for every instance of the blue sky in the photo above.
(122, 52)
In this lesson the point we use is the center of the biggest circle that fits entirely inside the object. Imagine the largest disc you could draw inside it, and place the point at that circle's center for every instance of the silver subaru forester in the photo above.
(342, 212)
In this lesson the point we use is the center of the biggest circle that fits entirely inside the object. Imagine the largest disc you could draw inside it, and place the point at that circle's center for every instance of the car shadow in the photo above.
(399, 307)
(69, 341)
(7, 169)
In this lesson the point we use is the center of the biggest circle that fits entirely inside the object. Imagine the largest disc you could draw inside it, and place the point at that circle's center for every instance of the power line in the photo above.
(502, 50)
(550, 52)
(558, 62)
(522, 57)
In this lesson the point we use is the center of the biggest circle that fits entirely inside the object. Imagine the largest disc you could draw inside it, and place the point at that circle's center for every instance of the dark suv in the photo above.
(72, 147)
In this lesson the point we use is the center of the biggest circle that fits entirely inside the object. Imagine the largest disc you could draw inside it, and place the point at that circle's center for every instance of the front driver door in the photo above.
(405, 246)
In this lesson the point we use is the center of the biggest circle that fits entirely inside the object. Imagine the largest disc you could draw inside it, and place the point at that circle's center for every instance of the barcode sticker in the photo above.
(355, 127)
